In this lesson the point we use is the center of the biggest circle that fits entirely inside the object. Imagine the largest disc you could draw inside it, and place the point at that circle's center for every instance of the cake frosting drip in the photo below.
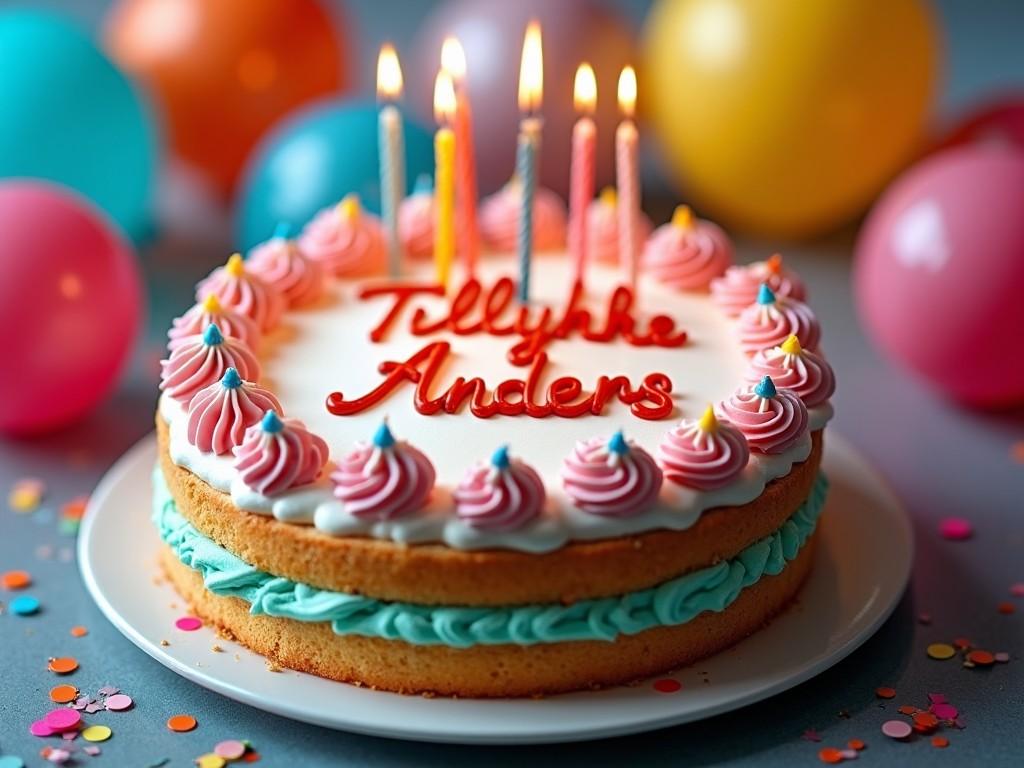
(611, 477)
(280, 262)
(687, 253)
(210, 312)
(705, 454)
(671, 603)
(238, 288)
(279, 454)
(346, 240)
(603, 227)
(383, 479)
(770, 320)
(737, 289)
(499, 219)
(794, 368)
(202, 360)
(219, 415)
(772, 420)
(500, 496)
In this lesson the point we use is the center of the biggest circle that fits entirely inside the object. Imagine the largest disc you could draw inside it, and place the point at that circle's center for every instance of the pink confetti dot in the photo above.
(1002, 657)
(896, 729)
(1017, 590)
(63, 719)
(955, 528)
(944, 711)
(188, 624)
(231, 749)
(40, 728)
(118, 702)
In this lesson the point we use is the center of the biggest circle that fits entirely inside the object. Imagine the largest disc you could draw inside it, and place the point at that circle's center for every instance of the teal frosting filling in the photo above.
(669, 604)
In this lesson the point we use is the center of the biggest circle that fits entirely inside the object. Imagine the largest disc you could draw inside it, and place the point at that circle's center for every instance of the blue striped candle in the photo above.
(390, 143)
(526, 173)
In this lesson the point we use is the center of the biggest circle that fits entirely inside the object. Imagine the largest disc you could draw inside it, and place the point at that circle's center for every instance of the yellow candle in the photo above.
(444, 177)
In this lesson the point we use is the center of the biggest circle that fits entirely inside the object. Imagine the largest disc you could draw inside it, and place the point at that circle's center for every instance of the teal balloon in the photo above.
(70, 116)
(313, 160)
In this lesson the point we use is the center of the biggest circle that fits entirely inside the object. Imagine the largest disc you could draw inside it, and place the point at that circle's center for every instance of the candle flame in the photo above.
(627, 91)
(584, 90)
(531, 70)
(444, 98)
(389, 73)
(453, 58)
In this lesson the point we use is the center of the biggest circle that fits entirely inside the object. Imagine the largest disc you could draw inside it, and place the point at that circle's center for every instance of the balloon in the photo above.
(940, 275)
(787, 118)
(313, 160)
(70, 116)
(1000, 122)
(225, 71)
(70, 306)
(491, 32)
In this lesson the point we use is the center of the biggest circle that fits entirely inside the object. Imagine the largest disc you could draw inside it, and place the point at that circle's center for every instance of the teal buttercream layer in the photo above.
(672, 603)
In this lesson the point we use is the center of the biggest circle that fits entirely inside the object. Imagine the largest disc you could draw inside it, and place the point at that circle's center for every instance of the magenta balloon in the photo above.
(70, 306)
(491, 32)
(940, 273)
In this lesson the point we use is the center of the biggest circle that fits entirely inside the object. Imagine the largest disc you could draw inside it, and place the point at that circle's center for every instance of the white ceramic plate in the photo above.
(862, 567)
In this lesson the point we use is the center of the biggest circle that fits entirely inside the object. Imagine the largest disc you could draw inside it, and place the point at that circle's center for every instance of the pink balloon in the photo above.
(70, 306)
(940, 273)
(491, 32)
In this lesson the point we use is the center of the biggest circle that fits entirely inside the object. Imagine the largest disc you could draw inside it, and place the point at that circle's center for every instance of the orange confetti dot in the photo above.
(62, 694)
(962, 643)
(885, 693)
(181, 723)
(16, 579)
(63, 665)
(940, 741)
(830, 755)
(75, 509)
(1006, 608)
(856, 744)
(251, 757)
(907, 709)
(1017, 451)
(981, 658)
(926, 721)
(79, 631)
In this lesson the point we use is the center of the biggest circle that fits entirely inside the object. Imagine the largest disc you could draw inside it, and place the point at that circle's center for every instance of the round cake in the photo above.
(440, 488)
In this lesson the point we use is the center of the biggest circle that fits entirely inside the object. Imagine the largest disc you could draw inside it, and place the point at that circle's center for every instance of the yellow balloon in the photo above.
(786, 117)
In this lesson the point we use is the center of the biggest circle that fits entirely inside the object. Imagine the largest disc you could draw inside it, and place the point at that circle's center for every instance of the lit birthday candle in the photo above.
(627, 176)
(444, 176)
(391, 149)
(453, 61)
(531, 90)
(584, 149)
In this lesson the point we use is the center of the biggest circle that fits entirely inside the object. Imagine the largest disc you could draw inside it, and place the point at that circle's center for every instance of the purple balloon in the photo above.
(940, 273)
(491, 32)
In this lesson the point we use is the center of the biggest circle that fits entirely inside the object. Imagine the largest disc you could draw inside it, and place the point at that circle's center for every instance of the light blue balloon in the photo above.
(70, 116)
(314, 159)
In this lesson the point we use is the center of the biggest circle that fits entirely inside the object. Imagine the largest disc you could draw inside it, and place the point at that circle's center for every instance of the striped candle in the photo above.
(526, 177)
(391, 151)
(627, 176)
(583, 167)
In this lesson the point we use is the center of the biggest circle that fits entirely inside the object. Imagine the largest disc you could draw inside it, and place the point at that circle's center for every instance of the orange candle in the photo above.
(453, 61)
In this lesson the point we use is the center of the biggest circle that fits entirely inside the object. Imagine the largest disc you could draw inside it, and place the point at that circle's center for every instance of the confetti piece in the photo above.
(937, 698)
(26, 495)
(906, 709)
(1017, 590)
(58, 756)
(62, 694)
(10, 761)
(74, 509)
(97, 733)
(251, 757)
(188, 624)
(667, 685)
(885, 693)
(830, 755)
(79, 631)
(1017, 451)
(955, 528)
(941, 651)
(848, 754)
(940, 741)
(231, 749)
(40, 728)
(962, 643)
(811, 735)
(181, 723)
(925, 722)
(1006, 608)
(63, 665)
(1002, 657)
(63, 719)
(24, 605)
(210, 760)
(944, 711)
(107, 690)
(896, 729)
(981, 658)
(92, 750)
(15, 579)
(924, 618)
(118, 702)
(856, 744)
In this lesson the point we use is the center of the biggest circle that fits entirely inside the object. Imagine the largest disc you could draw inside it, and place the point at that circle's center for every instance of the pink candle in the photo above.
(582, 173)
(453, 60)
(627, 176)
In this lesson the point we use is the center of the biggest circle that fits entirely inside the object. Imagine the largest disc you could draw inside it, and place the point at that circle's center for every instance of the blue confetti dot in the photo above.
(10, 761)
(24, 605)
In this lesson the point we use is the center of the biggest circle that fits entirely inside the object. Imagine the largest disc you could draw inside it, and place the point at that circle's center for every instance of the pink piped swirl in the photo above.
(603, 231)
(687, 258)
(807, 374)
(770, 424)
(219, 415)
(271, 462)
(383, 483)
(611, 485)
(281, 263)
(237, 287)
(703, 459)
(495, 499)
(763, 326)
(499, 219)
(199, 318)
(196, 364)
(737, 288)
(346, 245)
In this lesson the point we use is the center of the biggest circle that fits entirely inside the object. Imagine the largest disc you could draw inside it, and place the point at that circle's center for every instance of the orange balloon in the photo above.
(223, 72)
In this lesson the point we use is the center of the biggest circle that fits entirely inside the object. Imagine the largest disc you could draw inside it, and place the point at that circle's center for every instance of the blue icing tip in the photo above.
(765, 388)
(271, 423)
(765, 295)
(499, 459)
(212, 335)
(231, 379)
(283, 231)
(424, 184)
(618, 444)
(383, 438)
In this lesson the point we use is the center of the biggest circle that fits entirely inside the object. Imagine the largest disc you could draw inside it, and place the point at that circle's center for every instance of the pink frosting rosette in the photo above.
(603, 227)
(346, 240)
(738, 288)
(687, 253)
(770, 321)
(611, 478)
(278, 454)
(383, 479)
(281, 263)
(704, 454)
(240, 289)
(502, 496)
(771, 419)
(210, 312)
(416, 225)
(203, 359)
(794, 368)
(499, 219)
(219, 415)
